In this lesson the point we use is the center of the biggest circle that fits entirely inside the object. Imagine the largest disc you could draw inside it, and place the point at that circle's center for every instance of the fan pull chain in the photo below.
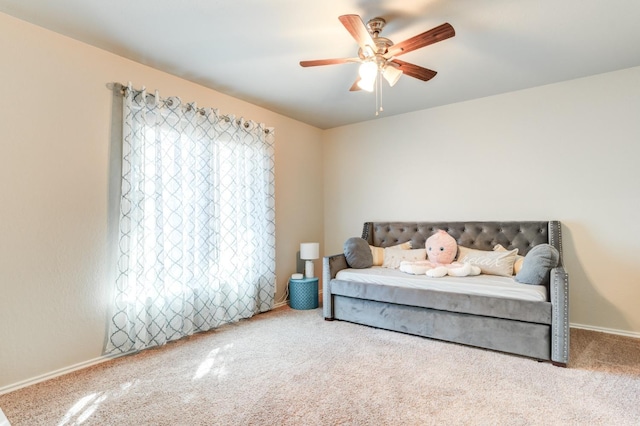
(380, 82)
(376, 92)
(379, 108)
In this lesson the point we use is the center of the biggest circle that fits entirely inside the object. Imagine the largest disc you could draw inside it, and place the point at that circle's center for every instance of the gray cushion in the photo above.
(537, 264)
(358, 253)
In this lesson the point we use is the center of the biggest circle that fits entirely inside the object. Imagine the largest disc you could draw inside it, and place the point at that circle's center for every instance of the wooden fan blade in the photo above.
(355, 87)
(415, 71)
(319, 62)
(434, 35)
(357, 29)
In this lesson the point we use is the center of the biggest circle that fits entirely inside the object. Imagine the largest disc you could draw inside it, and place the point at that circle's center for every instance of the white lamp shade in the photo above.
(309, 251)
(391, 74)
(368, 72)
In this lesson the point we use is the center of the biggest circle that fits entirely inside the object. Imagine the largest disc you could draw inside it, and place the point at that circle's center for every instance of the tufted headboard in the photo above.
(477, 235)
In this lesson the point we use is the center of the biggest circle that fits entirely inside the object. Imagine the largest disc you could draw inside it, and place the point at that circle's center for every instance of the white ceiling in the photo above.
(250, 49)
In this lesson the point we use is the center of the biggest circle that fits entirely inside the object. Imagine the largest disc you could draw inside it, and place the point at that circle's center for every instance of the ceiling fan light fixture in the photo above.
(368, 72)
(391, 74)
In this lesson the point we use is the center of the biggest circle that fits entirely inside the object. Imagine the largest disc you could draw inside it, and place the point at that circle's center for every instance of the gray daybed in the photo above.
(537, 329)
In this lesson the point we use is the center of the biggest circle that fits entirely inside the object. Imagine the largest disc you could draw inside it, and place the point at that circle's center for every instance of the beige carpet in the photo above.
(291, 367)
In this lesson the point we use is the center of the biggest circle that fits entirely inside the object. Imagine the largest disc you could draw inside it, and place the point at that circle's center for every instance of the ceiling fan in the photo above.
(377, 55)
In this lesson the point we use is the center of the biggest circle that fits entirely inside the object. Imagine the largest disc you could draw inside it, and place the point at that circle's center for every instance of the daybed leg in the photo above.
(559, 364)
(328, 319)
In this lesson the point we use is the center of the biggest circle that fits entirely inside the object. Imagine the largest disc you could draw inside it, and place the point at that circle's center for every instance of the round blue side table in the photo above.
(303, 293)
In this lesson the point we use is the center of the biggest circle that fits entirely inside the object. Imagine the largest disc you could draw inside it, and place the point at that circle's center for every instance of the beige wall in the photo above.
(57, 186)
(566, 151)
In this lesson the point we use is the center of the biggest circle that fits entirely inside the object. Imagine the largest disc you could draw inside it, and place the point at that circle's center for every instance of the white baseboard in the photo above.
(56, 373)
(606, 330)
(3, 419)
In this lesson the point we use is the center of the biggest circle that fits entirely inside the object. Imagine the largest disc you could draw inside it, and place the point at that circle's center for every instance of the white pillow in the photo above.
(378, 252)
(490, 262)
(517, 265)
(393, 256)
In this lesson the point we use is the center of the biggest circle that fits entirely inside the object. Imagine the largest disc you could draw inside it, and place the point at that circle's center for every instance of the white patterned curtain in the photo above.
(197, 222)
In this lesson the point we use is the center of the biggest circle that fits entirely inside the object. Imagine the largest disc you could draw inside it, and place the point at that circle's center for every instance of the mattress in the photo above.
(480, 285)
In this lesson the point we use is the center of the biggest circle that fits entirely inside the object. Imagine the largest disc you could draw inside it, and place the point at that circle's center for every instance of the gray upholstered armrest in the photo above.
(331, 265)
(559, 296)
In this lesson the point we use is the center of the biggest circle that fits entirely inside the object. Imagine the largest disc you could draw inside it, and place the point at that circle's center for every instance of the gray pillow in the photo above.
(358, 253)
(537, 264)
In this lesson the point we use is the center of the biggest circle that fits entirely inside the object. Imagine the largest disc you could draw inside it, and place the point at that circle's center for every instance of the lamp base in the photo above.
(308, 269)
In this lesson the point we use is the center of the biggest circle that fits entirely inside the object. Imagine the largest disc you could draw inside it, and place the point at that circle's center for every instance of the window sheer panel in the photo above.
(197, 223)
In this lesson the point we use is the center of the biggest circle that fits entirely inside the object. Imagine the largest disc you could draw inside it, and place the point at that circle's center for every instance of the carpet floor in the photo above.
(289, 367)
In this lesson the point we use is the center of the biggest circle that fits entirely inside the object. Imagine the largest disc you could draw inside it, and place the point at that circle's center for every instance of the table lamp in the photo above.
(309, 252)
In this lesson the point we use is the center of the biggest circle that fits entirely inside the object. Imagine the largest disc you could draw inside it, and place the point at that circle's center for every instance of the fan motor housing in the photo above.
(375, 26)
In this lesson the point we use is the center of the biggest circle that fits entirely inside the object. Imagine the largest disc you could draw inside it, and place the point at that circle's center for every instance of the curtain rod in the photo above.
(123, 88)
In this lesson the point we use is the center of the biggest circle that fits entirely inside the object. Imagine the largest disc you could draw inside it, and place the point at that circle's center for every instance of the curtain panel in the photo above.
(197, 222)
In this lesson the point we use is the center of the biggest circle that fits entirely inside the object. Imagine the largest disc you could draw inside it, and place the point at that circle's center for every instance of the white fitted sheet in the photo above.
(482, 285)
